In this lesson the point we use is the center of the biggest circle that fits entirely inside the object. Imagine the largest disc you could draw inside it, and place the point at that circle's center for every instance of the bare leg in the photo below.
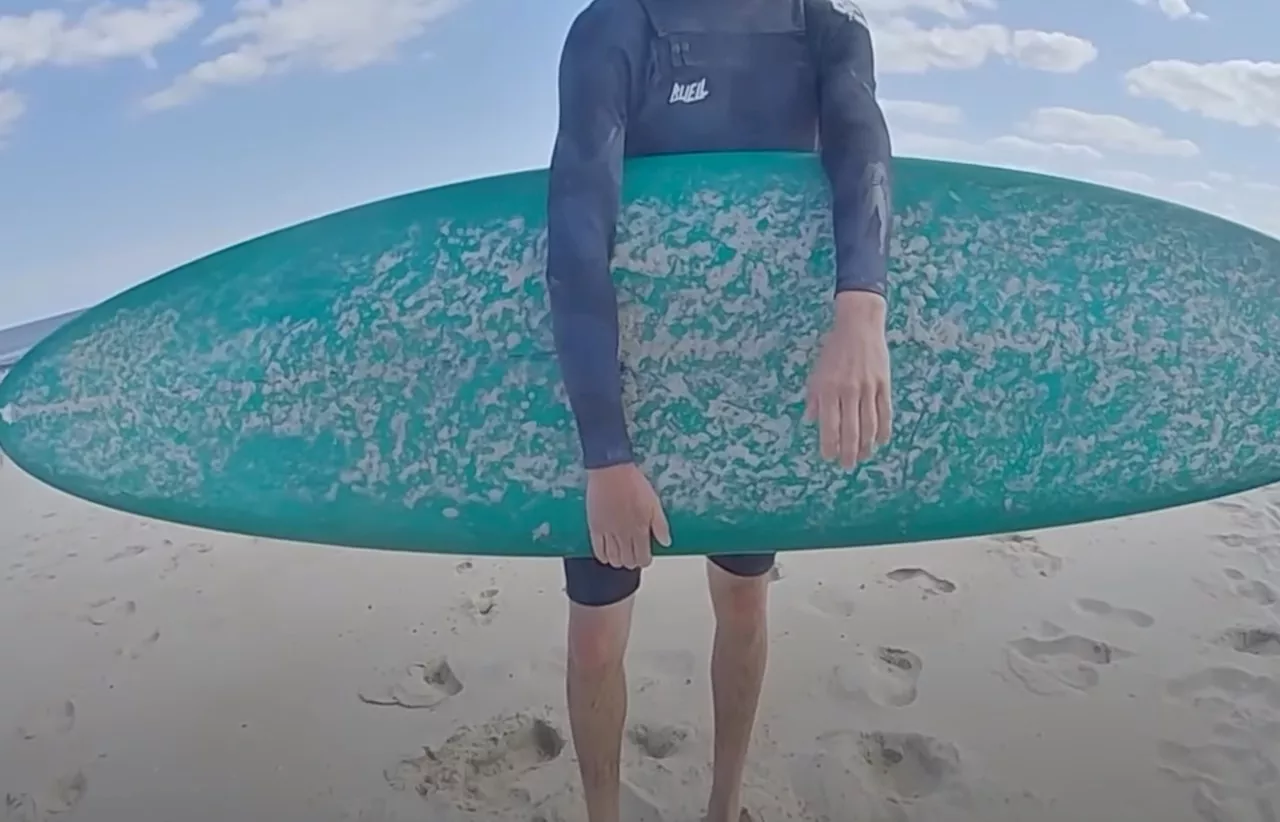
(737, 673)
(597, 693)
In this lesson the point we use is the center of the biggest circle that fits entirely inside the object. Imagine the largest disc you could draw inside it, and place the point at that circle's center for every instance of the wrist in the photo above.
(860, 308)
(613, 467)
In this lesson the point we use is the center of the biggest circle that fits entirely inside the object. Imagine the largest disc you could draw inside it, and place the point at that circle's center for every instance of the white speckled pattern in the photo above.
(384, 377)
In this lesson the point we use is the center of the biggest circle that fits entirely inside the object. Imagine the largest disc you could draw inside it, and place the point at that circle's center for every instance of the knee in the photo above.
(740, 602)
(597, 638)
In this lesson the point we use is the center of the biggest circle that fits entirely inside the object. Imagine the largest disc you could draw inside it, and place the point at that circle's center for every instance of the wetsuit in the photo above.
(644, 77)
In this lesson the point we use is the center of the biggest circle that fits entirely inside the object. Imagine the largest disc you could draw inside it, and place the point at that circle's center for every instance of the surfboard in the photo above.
(384, 377)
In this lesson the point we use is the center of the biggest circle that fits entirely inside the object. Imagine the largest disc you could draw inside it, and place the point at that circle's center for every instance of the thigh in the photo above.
(588, 581)
(745, 565)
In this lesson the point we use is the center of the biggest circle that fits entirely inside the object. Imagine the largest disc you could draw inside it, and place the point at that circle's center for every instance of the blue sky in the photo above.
(138, 134)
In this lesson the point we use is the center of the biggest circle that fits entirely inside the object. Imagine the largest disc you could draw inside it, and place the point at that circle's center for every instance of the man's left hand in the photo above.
(848, 391)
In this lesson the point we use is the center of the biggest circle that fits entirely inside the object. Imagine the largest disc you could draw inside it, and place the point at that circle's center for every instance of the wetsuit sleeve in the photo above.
(855, 145)
(582, 211)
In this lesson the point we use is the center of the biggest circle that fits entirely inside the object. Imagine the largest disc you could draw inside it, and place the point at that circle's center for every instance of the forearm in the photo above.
(856, 156)
(584, 186)
(856, 150)
(584, 318)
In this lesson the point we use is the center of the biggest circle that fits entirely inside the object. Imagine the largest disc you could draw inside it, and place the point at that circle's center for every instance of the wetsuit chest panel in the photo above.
(736, 81)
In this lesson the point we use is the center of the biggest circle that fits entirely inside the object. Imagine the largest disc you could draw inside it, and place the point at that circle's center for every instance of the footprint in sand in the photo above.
(20, 807)
(172, 565)
(1255, 641)
(1242, 585)
(130, 551)
(137, 649)
(54, 719)
(479, 764)
(909, 765)
(1262, 733)
(66, 793)
(658, 741)
(930, 583)
(1232, 775)
(889, 679)
(108, 610)
(1024, 556)
(1257, 517)
(832, 601)
(877, 776)
(482, 607)
(1052, 667)
(59, 798)
(1229, 782)
(1243, 698)
(423, 685)
(1111, 613)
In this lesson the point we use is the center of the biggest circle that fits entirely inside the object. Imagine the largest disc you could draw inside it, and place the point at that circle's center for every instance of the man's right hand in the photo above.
(623, 514)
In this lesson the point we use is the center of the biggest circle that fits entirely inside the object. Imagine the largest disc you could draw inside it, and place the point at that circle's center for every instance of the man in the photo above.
(641, 77)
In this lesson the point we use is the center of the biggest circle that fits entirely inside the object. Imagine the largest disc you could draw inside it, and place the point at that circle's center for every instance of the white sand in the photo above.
(1116, 672)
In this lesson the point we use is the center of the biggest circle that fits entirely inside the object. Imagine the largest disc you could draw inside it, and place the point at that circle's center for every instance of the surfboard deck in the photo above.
(384, 377)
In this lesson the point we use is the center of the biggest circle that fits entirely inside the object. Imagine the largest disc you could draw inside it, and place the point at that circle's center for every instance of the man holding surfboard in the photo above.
(644, 77)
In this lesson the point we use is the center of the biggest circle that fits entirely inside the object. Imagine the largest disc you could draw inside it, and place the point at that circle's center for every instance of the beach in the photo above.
(1117, 670)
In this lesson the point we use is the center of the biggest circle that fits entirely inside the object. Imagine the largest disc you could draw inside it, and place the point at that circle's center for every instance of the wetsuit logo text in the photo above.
(689, 92)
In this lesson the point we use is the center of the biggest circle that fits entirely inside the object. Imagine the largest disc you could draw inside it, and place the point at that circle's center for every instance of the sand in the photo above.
(1126, 670)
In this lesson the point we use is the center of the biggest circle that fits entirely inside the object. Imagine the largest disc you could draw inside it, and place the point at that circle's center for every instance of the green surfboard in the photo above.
(384, 377)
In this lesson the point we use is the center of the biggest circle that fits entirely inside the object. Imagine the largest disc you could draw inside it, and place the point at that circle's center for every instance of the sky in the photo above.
(136, 135)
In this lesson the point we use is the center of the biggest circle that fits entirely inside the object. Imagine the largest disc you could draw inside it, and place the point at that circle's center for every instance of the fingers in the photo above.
(627, 549)
(884, 410)
(630, 549)
(613, 551)
(829, 423)
(641, 549)
(598, 547)
(661, 528)
(868, 429)
(850, 429)
(852, 420)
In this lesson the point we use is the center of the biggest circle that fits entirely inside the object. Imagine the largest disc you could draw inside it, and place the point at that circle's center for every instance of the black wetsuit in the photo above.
(644, 77)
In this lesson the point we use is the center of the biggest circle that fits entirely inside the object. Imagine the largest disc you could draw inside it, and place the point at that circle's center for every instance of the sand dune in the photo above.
(1122, 670)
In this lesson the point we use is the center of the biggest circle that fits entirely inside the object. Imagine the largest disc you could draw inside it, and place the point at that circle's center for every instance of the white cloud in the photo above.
(905, 47)
(1035, 148)
(922, 112)
(1249, 202)
(1104, 131)
(1243, 92)
(1126, 178)
(103, 32)
(1051, 51)
(12, 107)
(1173, 9)
(273, 36)
(1008, 150)
(951, 9)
